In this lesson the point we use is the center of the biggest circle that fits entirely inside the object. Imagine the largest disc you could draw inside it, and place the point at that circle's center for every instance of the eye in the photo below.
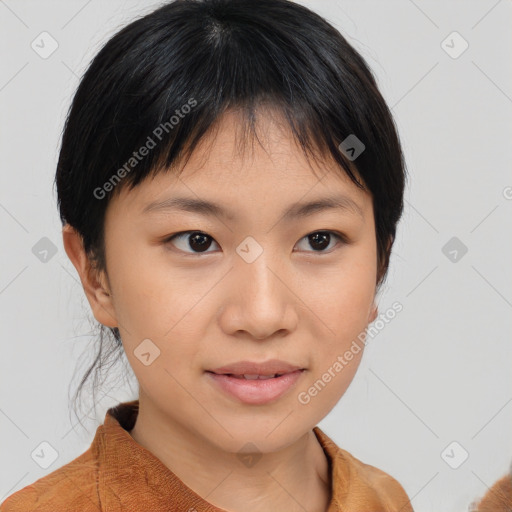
(320, 240)
(199, 242)
(196, 240)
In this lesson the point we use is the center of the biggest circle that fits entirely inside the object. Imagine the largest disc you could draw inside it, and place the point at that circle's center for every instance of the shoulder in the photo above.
(386, 488)
(498, 498)
(70, 488)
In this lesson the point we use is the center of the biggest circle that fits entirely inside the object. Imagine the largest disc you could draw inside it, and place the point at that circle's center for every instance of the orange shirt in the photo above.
(498, 498)
(118, 474)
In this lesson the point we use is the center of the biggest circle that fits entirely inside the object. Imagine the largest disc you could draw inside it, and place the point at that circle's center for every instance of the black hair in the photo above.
(164, 81)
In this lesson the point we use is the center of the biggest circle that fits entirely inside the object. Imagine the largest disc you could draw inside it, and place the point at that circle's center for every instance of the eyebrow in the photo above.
(294, 211)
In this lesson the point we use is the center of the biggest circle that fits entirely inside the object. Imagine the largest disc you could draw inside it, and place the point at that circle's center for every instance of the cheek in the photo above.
(328, 386)
(154, 302)
(343, 307)
(148, 293)
(340, 349)
(343, 296)
(162, 302)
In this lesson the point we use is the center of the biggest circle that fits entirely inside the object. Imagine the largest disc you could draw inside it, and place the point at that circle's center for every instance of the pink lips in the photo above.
(278, 377)
(256, 391)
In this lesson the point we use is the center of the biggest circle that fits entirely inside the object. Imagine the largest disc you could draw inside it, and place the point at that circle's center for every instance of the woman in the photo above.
(230, 181)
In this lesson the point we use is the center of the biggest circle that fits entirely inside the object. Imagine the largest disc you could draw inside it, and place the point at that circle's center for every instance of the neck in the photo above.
(295, 478)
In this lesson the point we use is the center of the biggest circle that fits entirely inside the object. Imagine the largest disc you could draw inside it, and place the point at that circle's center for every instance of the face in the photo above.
(247, 282)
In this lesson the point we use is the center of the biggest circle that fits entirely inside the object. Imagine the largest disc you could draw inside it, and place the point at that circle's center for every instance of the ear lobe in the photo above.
(94, 283)
(373, 314)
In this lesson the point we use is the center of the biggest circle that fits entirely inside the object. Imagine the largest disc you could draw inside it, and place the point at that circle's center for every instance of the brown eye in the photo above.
(191, 241)
(322, 240)
(197, 242)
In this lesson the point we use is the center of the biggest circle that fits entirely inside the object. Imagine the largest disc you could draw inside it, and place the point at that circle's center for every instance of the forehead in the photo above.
(231, 166)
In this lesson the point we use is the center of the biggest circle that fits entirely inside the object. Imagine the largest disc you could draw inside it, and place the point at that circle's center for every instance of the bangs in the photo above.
(165, 81)
(169, 103)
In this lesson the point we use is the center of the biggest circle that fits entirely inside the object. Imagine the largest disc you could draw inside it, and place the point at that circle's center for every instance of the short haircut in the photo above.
(179, 68)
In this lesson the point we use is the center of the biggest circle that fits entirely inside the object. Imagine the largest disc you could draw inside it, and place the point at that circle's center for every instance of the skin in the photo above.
(207, 309)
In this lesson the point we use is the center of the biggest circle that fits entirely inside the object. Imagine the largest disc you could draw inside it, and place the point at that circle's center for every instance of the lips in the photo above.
(250, 370)
(257, 391)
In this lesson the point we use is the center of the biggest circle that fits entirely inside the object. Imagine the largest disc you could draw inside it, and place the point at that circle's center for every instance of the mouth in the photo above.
(256, 389)
(251, 370)
(251, 377)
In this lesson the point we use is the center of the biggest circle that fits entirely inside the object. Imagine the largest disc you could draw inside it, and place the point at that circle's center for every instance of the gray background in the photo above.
(439, 372)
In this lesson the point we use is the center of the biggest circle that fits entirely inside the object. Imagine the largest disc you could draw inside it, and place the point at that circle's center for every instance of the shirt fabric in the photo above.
(498, 498)
(118, 474)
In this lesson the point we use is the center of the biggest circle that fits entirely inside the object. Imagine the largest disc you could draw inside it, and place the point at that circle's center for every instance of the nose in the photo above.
(261, 301)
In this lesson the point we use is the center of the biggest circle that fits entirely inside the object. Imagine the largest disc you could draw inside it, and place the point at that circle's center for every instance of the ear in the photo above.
(95, 283)
(381, 269)
(373, 314)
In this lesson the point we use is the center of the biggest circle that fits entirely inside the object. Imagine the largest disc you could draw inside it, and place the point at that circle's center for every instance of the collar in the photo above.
(130, 476)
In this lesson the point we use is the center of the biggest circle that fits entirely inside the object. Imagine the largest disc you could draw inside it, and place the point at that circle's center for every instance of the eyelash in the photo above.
(340, 236)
